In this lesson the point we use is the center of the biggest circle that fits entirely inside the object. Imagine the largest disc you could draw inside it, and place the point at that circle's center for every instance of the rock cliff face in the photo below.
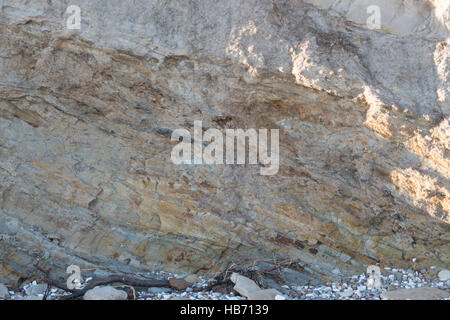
(86, 118)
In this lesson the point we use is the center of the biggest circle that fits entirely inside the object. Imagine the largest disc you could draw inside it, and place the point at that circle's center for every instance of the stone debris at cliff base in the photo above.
(87, 119)
(396, 284)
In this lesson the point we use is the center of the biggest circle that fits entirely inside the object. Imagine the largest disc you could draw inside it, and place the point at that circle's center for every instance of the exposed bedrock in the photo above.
(86, 119)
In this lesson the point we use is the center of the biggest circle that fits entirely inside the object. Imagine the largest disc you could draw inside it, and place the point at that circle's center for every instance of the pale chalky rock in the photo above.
(423, 293)
(34, 290)
(243, 285)
(265, 294)
(155, 290)
(32, 298)
(374, 279)
(4, 293)
(346, 293)
(105, 293)
(444, 275)
(429, 18)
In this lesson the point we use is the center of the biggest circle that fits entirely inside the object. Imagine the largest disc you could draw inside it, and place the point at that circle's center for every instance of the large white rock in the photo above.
(265, 294)
(105, 293)
(244, 285)
(424, 293)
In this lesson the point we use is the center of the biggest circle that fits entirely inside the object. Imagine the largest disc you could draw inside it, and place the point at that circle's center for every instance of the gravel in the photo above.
(350, 288)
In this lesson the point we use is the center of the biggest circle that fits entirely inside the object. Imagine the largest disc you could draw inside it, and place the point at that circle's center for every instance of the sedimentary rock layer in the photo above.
(86, 118)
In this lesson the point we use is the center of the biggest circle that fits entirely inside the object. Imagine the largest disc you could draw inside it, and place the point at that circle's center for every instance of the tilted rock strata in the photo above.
(86, 118)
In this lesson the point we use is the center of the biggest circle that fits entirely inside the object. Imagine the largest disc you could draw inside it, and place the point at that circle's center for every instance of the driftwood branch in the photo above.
(129, 281)
(76, 293)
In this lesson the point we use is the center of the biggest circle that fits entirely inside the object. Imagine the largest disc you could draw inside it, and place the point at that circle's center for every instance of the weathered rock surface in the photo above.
(156, 290)
(32, 298)
(346, 293)
(105, 293)
(179, 284)
(86, 117)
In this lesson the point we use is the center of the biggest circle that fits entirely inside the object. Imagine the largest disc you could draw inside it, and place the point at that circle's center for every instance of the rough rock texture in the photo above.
(243, 285)
(444, 275)
(86, 118)
(105, 293)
